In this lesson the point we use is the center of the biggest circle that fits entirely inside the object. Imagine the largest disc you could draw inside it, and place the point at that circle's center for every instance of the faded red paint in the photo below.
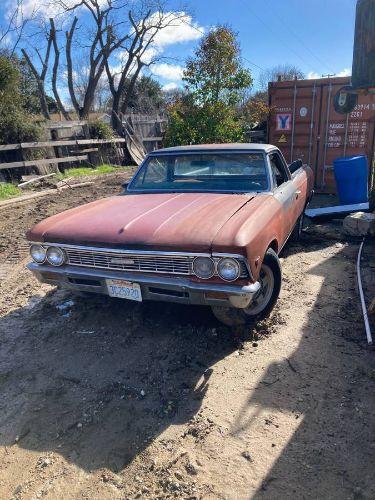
(185, 221)
(246, 224)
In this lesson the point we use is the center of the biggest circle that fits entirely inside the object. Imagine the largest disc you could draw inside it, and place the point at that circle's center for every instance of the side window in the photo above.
(278, 170)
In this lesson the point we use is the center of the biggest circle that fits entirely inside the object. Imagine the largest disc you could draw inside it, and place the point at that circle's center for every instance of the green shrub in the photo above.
(77, 172)
(100, 130)
(8, 191)
(190, 123)
(15, 124)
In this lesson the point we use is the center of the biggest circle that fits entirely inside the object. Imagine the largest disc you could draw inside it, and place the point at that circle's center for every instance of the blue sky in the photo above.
(314, 35)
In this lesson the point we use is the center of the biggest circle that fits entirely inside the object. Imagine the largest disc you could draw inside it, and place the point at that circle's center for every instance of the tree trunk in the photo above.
(40, 85)
(54, 72)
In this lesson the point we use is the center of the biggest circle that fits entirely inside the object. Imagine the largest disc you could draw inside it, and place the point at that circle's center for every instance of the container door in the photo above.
(293, 123)
(342, 135)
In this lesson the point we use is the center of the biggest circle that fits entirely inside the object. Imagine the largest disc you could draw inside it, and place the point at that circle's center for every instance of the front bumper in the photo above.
(153, 287)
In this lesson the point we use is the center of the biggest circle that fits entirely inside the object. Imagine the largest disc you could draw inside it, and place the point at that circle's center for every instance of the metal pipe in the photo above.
(362, 297)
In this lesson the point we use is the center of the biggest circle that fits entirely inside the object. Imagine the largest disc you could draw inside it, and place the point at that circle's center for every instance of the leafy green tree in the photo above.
(29, 90)
(214, 82)
(215, 73)
(210, 123)
(15, 123)
(146, 97)
(255, 109)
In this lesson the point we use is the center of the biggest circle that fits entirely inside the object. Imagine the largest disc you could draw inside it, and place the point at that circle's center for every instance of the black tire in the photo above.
(297, 230)
(231, 316)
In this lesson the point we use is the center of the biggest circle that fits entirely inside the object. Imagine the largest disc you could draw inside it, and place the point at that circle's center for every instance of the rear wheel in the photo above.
(263, 301)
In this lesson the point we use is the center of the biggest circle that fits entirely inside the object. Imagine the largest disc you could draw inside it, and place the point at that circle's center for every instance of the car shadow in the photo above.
(326, 386)
(96, 380)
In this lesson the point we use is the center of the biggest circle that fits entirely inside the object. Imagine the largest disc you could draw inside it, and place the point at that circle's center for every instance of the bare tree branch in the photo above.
(16, 25)
(55, 69)
(40, 78)
(69, 62)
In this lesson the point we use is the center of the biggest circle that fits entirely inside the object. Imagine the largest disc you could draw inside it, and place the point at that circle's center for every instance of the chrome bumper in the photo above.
(176, 289)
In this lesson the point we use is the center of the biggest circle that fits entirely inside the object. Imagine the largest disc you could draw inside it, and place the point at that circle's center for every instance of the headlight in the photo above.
(55, 256)
(38, 253)
(228, 269)
(203, 267)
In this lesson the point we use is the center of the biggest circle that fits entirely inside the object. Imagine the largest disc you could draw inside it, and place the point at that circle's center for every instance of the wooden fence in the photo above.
(149, 128)
(44, 165)
(67, 142)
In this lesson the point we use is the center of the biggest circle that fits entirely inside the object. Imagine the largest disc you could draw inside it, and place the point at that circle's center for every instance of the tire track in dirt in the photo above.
(109, 399)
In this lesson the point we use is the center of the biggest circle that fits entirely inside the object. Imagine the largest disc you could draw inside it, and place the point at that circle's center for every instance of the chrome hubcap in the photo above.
(264, 294)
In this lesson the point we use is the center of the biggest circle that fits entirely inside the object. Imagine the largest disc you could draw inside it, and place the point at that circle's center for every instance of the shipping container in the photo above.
(304, 124)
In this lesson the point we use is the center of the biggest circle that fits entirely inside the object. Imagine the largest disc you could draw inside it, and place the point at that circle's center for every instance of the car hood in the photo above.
(184, 221)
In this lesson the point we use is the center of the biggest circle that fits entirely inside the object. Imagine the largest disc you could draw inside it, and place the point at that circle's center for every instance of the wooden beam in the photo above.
(115, 140)
(66, 124)
(51, 144)
(47, 161)
(87, 150)
(36, 179)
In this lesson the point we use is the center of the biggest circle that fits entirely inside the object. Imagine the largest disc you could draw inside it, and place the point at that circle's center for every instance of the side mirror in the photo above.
(295, 165)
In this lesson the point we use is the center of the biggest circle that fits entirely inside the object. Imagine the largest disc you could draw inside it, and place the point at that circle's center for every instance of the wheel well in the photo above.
(274, 245)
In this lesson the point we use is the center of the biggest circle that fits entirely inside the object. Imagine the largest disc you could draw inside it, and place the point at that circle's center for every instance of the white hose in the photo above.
(363, 303)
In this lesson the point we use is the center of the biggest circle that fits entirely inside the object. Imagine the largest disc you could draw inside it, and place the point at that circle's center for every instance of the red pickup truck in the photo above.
(196, 225)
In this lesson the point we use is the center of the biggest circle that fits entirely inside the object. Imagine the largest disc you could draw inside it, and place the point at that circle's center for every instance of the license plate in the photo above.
(124, 290)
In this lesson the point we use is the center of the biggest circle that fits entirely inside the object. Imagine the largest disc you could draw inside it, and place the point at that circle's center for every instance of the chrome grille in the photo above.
(243, 268)
(149, 263)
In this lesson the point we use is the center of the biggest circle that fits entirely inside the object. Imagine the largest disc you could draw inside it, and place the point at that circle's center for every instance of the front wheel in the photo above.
(263, 301)
(297, 230)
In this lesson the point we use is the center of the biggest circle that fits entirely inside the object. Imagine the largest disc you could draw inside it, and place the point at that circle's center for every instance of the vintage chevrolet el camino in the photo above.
(196, 225)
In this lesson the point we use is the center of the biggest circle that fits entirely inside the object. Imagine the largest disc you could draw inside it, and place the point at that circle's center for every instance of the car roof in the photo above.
(218, 147)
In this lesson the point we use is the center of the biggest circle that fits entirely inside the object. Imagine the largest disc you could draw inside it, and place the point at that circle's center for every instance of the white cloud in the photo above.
(168, 71)
(178, 28)
(170, 86)
(312, 75)
(344, 72)
(44, 8)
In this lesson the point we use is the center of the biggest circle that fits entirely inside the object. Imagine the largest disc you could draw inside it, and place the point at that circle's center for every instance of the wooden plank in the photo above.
(9, 147)
(148, 122)
(26, 197)
(87, 150)
(47, 161)
(47, 144)
(115, 140)
(67, 124)
(41, 194)
(36, 179)
(51, 144)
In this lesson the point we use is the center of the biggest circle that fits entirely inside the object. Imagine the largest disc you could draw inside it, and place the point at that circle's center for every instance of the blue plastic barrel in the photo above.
(351, 174)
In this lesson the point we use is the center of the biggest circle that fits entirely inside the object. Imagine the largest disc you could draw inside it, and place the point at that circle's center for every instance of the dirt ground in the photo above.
(109, 399)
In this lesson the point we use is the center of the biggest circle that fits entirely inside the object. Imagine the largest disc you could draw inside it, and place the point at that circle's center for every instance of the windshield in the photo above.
(226, 172)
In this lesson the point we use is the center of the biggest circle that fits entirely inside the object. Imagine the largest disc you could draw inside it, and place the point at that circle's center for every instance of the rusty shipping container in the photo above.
(304, 124)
